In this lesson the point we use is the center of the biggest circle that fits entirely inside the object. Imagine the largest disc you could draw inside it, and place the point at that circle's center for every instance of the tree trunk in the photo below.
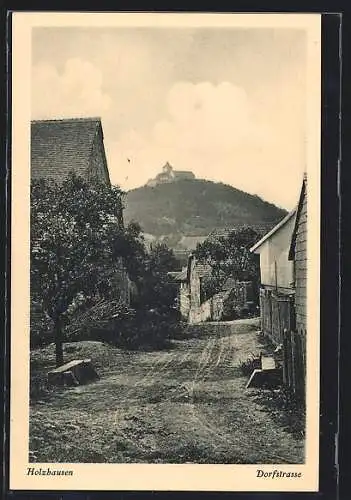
(58, 342)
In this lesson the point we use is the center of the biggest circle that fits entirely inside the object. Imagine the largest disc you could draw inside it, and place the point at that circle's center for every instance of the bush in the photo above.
(115, 323)
(229, 314)
(140, 330)
(98, 321)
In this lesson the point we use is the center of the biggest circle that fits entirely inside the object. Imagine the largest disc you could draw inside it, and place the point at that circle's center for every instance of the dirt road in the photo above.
(184, 405)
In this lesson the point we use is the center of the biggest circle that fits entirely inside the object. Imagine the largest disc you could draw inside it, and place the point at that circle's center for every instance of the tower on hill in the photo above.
(168, 174)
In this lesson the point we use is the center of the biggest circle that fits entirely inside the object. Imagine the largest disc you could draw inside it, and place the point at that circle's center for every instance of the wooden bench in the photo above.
(267, 362)
(76, 372)
(269, 375)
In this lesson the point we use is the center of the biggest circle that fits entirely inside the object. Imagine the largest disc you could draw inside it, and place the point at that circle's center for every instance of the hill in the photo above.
(186, 211)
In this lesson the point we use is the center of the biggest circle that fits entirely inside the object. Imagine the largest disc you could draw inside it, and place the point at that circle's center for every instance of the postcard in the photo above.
(165, 251)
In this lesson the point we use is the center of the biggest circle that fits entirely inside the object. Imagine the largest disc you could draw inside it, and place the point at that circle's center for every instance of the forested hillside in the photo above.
(195, 208)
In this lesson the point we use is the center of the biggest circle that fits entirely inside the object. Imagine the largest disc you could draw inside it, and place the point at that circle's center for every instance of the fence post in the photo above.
(290, 359)
(300, 368)
(285, 357)
(280, 332)
(262, 312)
(294, 349)
(270, 302)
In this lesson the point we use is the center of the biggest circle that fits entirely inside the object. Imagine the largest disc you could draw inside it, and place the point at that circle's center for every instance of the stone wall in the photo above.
(201, 314)
(184, 300)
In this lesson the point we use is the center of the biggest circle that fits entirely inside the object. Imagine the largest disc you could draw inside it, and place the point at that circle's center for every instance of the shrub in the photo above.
(99, 320)
(142, 329)
(115, 323)
(229, 313)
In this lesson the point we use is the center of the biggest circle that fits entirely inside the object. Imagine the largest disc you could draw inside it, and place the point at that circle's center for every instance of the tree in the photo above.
(229, 256)
(133, 251)
(155, 289)
(78, 241)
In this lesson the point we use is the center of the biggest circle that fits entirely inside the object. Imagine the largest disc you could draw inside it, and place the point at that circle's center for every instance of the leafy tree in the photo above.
(155, 289)
(78, 242)
(204, 205)
(132, 249)
(229, 256)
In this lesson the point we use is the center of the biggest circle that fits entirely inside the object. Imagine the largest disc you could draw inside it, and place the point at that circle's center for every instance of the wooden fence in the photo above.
(278, 324)
(294, 361)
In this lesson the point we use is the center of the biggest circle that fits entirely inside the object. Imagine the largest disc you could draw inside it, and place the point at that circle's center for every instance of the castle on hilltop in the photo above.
(168, 174)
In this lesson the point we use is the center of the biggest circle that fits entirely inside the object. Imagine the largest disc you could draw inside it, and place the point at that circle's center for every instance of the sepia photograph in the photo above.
(168, 201)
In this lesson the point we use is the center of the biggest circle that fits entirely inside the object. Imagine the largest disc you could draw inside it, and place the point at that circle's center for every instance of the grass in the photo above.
(284, 409)
(187, 404)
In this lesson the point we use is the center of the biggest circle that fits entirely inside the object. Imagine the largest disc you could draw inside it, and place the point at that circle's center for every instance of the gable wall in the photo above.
(301, 268)
(274, 258)
(97, 161)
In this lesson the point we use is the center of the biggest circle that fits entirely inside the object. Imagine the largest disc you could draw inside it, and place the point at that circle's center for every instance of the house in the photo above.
(191, 300)
(273, 249)
(283, 276)
(196, 307)
(199, 310)
(62, 146)
(59, 147)
(168, 174)
(276, 279)
(224, 232)
(181, 278)
(298, 256)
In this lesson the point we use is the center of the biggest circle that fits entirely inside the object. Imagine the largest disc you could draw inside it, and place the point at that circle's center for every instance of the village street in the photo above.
(186, 404)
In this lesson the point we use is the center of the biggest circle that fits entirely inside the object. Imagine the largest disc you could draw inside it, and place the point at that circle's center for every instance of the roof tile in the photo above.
(61, 146)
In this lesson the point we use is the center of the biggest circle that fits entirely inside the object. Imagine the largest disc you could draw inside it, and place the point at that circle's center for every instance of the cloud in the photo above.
(77, 91)
(212, 130)
(217, 131)
(209, 118)
(227, 104)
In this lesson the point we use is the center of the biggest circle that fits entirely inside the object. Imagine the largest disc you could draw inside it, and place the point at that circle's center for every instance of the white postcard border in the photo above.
(148, 476)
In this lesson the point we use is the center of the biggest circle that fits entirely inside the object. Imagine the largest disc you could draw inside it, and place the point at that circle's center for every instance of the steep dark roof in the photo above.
(61, 146)
(221, 232)
(224, 232)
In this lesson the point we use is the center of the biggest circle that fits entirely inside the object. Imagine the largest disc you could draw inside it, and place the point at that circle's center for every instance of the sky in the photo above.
(226, 103)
